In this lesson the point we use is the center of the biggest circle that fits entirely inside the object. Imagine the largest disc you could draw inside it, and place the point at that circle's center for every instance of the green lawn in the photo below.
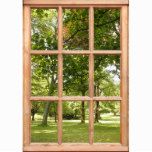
(108, 130)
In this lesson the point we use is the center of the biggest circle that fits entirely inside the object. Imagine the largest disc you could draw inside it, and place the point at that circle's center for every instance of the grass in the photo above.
(107, 130)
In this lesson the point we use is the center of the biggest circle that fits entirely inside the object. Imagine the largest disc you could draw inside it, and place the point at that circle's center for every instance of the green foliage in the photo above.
(44, 75)
(75, 74)
(72, 110)
(75, 70)
(110, 107)
(75, 35)
(44, 29)
(107, 32)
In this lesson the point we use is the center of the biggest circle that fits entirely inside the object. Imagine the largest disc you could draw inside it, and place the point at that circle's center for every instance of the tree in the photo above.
(75, 37)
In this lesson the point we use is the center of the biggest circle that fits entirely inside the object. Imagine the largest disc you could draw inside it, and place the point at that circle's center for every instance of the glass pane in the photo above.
(75, 75)
(107, 29)
(44, 122)
(44, 29)
(75, 122)
(44, 75)
(107, 122)
(75, 29)
(107, 75)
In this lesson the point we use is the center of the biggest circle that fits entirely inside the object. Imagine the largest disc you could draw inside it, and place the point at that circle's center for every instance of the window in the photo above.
(75, 72)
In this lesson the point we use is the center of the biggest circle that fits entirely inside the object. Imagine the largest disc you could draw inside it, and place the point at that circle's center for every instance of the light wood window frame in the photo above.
(123, 52)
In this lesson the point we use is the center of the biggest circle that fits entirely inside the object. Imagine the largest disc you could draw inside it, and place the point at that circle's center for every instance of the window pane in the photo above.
(107, 122)
(75, 29)
(44, 75)
(44, 29)
(44, 122)
(107, 29)
(75, 122)
(107, 75)
(75, 75)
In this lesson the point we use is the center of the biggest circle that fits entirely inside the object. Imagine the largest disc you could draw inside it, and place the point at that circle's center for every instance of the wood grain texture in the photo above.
(44, 98)
(110, 98)
(26, 76)
(44, 52)
(74, 98)
(91, 52)
(75, 2)
(124, 75)
(60, 75)
(68, 6)
(73, 52)
(91, 74)
(77, 147)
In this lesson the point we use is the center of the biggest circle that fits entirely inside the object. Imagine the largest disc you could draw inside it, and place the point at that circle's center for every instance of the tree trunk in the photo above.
(33, 114)
(97, 112)
(114, 113)
(45, 114)
(55, 116)
(83, 109)
(47, 106)
(82, 112)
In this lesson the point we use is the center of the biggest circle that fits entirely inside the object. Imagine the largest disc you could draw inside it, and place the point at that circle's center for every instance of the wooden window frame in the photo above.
(123, 52)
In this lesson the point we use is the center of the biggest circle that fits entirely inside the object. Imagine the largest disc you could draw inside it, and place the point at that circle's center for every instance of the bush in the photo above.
(70, 116)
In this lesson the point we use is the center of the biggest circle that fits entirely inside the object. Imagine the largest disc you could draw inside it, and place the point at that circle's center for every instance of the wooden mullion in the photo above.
(60, 75)
(124, 75)
(68, 6)
(107, 52)
(76, 2)
(91, 74)
(44, 98)
(74, 98)
(44, 52)
(26, 78)
(109, 98)
(73, 52)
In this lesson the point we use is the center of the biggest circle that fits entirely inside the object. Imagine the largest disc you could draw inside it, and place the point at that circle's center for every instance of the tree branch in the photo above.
(85, 29)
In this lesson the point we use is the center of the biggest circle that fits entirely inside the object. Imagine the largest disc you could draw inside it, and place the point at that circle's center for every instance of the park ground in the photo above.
(106, 131)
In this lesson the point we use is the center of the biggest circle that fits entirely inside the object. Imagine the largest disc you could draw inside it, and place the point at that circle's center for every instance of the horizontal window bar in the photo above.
(74, 98)
(53, 6)
(110, 98)
(76, 52)
(100, 52)
(43, 52)
(76, 2)
(44, 98)
(107, 52)
(76, 147)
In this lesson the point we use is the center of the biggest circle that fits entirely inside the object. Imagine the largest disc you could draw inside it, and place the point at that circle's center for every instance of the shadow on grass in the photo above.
(75, 132)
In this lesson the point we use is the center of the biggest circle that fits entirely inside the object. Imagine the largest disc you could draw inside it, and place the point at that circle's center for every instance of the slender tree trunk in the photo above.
(55, 116)
(82, 112)
(45, 114)
(97, 112)
(83, 109)
(114, 113)
(33, 114)
(47, 106)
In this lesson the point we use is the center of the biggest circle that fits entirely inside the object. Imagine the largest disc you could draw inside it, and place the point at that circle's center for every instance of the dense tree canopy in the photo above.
(75, 67)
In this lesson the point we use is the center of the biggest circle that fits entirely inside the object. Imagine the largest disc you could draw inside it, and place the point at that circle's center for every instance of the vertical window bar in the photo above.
(26, 81)
(60, 75)
(91, 74)
(124, 75)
